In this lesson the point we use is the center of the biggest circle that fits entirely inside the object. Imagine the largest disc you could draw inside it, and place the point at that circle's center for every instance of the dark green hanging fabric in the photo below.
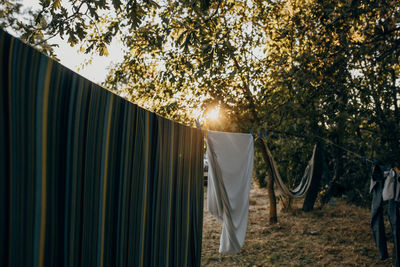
(88, 178)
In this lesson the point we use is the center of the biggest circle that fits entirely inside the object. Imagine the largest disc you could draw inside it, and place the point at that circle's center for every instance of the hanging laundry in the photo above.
(378, 180)
(88, 178)
(390, 185)
(396, 173)
(230, 170)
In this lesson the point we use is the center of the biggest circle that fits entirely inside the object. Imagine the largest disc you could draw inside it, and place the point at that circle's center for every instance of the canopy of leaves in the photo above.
(19, 20)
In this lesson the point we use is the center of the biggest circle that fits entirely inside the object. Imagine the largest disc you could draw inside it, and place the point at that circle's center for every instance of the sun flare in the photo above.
(213, 114)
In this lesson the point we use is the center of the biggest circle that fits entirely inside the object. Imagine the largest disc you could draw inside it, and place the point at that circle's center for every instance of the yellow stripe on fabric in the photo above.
(188, 199)
(44, 161)
(146, 170)
(103, 215)
(170, 187)
(11, 149)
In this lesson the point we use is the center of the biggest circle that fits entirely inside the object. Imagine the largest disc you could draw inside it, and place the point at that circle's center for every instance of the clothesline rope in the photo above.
(265, 134)
(343, 148)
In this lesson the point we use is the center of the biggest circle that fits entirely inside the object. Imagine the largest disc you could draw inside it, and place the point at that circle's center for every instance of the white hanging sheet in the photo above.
(230, 167)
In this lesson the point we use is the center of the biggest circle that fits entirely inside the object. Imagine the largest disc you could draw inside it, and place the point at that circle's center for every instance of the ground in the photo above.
(337, 234)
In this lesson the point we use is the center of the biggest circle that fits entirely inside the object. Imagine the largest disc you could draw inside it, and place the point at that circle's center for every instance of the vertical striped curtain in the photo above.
(88, 178)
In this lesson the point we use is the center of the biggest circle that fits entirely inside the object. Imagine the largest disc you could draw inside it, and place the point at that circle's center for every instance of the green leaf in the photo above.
(56, 4)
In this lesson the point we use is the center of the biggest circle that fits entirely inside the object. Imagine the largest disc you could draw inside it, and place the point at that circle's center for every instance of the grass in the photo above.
(329, 236)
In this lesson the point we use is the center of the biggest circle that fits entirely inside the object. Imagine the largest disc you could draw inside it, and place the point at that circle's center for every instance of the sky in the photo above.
(74, 60)
(98, 69)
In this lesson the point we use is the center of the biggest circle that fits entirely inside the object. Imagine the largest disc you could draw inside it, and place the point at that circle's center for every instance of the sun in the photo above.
(213, 114)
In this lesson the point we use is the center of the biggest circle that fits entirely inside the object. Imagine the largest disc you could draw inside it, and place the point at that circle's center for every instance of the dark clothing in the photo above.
(377, 223)
(88, 178)
(393, 214)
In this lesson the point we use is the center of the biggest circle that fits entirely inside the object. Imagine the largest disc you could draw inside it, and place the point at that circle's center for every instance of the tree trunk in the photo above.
(315, 186)
(273, 217)
(286, 203)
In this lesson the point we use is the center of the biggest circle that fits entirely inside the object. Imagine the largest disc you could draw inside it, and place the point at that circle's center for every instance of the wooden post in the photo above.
(273, 217)
(286, 203)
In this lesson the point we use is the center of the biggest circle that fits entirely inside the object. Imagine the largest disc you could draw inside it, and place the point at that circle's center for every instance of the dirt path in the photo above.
(336, 235)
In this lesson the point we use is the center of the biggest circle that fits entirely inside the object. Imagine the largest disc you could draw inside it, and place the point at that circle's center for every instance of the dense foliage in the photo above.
(19, 21)
(311, 70)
